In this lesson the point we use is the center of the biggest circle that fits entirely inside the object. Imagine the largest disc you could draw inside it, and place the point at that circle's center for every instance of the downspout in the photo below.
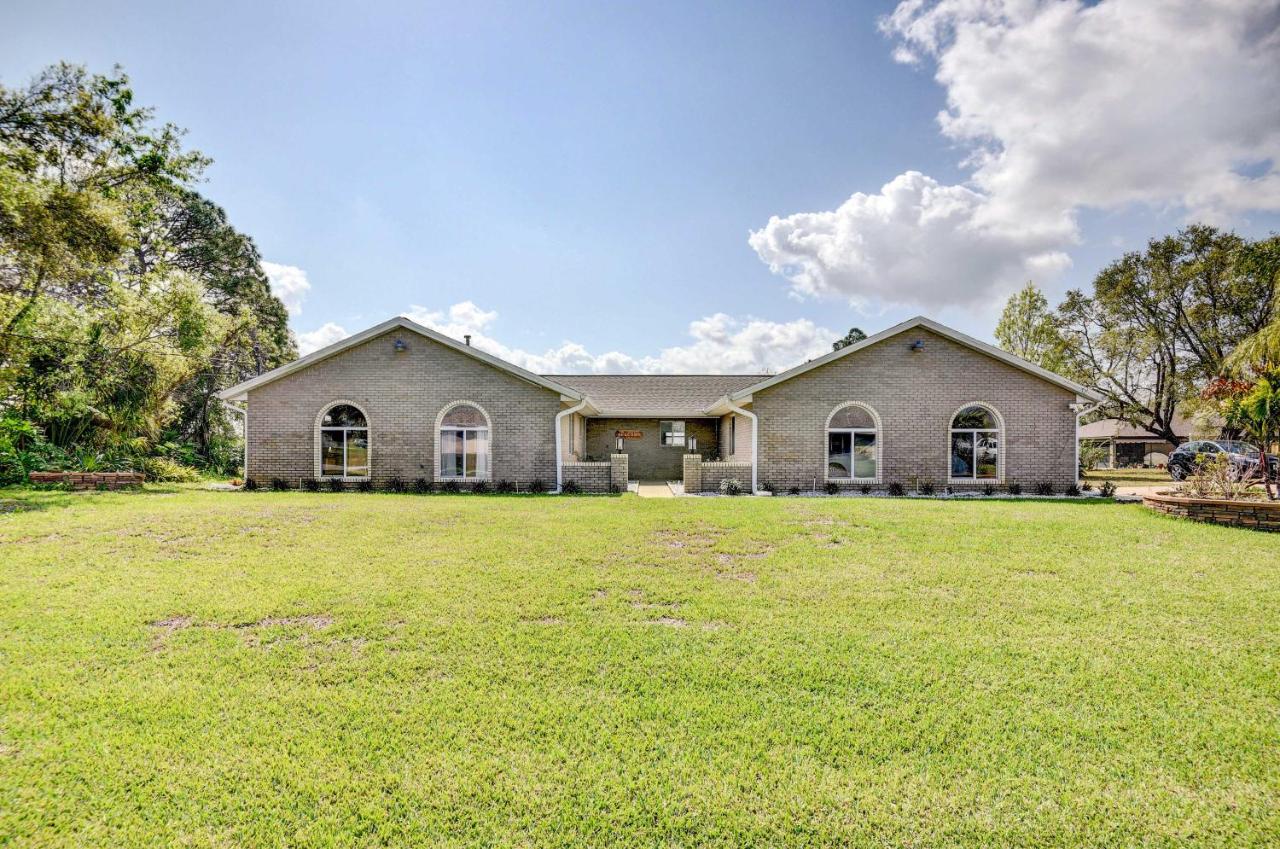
(1082, 410)
(755, 453)
(244, 414)
(560, 441)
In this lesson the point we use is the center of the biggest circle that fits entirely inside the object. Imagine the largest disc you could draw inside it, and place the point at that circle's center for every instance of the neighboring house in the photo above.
(1130, 446)
(919, 402)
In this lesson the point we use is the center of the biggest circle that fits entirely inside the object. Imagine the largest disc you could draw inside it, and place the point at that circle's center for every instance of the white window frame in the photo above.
(876, 430)
(488, 426)
(998, 430)
(319, 435)
(684, 433)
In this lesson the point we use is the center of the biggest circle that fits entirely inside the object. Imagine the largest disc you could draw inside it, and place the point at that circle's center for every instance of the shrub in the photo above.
(795, 490)
(926, 488)
(1071, 491)
(279, 485)
(480, 488)
(864, 489)
(1015, 488)
(335, 484)
(1107, 490)
(897, 490)
(989, 490)
(311, 484)
(421, 486)
(365, 485)
(1086, 487)
(537, 485)
(250, 485)
(164, 469)
(570, 488)
(1044, 488)
(733, 486)
(451, 487)
(1216, 477)
(395, 484)
(505, 487)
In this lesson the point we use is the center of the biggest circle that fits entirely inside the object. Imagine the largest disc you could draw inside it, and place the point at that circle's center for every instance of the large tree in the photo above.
(126, 299)
(1160, 323)
(1028, 328)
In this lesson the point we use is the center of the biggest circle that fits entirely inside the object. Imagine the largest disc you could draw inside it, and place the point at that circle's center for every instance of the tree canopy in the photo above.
(126, 298)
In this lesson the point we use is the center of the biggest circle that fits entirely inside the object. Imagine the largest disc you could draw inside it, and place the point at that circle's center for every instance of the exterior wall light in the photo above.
(400, 345)
(917, 346)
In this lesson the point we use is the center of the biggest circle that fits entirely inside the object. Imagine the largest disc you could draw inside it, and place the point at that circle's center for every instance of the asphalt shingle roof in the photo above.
(655, 394)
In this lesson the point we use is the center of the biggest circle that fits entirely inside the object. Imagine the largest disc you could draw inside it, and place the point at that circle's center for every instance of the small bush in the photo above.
(335, 484)
(864, 489)
(311, 484)
(480, 488)
(897, 490)
(989, 490)
(421, 486)
(1086, 487)
(250, 485)
(450, 487)
(926, 488)
(1107, 490)
(1015, 488)
(168, 471)
(279, 485)
(505, 487)
(365, 485)
(1072, 490)
(733, 486)
(395, 484)
(795, 490)
(570, 488)
(537, 485)
(1044, 488)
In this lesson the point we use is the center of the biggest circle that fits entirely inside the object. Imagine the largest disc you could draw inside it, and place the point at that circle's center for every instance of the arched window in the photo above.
(344, 442)
(853, 443)
(975, 444)
(464, 442)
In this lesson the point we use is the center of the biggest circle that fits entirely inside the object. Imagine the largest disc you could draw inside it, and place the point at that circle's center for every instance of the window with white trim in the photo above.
(975, 444)
(672, 434)
(852, 444)
(344, 443)
(464, 444)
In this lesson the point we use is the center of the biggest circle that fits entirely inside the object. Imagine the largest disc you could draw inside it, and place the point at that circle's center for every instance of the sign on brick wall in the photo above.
(628, 434)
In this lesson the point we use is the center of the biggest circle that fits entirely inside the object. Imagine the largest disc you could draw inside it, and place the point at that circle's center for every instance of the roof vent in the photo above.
(467, 338)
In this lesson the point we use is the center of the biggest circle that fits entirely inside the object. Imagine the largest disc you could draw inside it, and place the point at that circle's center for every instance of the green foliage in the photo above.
(1107, 490)
(168, 471)
(1028, 329)
(126, 299)
(733, 486)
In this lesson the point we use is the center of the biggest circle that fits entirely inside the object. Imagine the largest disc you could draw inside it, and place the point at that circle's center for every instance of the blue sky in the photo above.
(592, 172)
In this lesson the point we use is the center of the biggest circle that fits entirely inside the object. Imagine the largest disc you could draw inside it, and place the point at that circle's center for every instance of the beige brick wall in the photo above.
(735, 437)
(402, 393)
(915, 395)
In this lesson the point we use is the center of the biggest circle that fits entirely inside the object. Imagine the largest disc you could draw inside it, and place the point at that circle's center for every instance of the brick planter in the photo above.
(89, 480)
(1258, 515)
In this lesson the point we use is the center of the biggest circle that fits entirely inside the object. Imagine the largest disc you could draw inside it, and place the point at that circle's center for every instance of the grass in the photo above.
(1128, 477)
(207, 669)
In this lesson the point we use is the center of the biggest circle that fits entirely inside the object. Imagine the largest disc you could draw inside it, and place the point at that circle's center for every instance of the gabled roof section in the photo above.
(933, 326)
(240, 391)
(642, 395)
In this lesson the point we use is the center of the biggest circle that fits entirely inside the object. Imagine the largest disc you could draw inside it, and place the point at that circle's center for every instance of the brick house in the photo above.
(916, 403)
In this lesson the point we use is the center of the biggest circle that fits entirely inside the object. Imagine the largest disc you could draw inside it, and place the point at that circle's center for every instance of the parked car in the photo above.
(1243, 456)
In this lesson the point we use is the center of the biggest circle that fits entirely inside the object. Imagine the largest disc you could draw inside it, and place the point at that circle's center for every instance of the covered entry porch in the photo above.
(655, 447)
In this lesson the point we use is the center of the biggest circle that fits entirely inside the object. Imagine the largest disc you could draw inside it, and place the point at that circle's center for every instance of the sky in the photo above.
(693, 187)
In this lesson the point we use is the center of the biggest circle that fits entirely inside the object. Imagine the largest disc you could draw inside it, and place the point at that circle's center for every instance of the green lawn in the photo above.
(207, 669)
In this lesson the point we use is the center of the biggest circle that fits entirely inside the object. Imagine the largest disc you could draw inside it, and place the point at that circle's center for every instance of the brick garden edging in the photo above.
(1258, 515)
(89, 480)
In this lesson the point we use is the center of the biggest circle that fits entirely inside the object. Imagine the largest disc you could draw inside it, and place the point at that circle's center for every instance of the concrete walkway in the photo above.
(654, 489)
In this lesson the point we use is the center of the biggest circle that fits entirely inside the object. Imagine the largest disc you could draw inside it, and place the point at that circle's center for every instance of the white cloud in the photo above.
(325, 334)
(917, 241)
(288, 283)
(718, 343)
(1059, 106)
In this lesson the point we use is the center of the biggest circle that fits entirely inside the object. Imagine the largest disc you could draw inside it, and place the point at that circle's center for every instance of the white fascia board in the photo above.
(240, 391)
